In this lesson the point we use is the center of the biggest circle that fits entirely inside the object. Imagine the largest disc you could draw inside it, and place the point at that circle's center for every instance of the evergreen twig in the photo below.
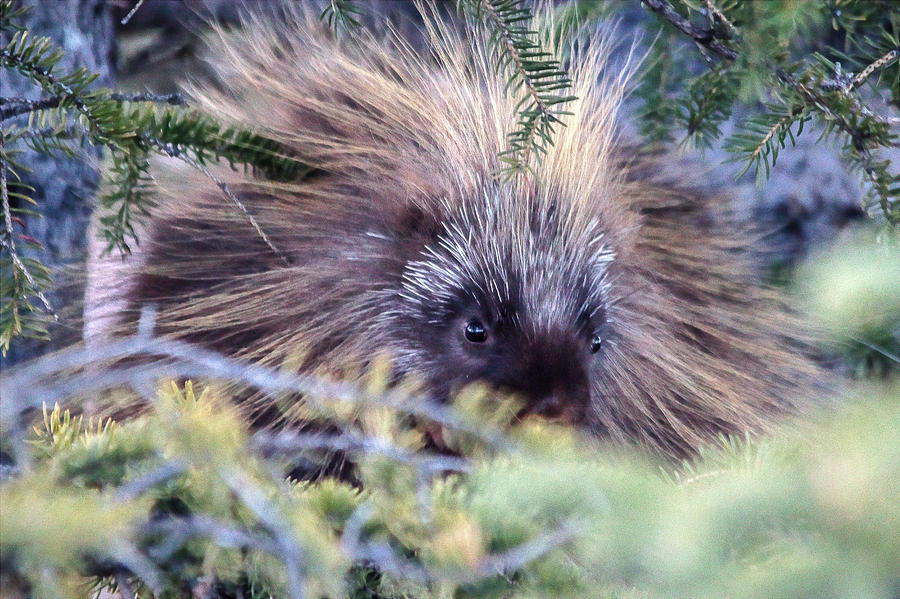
(9, 240)
(20, 269)
(342, 14)
(41, 71)
(544, 80)
(708, 38)
(829, 96)
(860, 78)
(859, 142)
(11, 107)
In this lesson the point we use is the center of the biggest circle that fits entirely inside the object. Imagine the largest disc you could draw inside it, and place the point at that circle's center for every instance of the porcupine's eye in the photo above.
(475, 331)
(596, 342)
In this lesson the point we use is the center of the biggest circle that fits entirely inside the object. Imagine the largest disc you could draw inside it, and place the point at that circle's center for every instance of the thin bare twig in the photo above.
(292, 442)
(133, 488)
(520, 556)
(175, 152)
(387, 560)
(178, 530)
(9, 241)
(269, 515)
(131, 12)
(861, 77)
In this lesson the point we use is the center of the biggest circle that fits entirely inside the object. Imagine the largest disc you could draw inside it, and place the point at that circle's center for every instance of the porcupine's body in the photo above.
(599, 290)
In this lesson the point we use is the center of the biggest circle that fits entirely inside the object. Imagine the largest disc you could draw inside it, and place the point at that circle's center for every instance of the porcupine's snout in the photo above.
(551, 380)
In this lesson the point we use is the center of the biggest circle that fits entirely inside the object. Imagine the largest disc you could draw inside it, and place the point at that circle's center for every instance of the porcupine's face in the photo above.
(512, 298)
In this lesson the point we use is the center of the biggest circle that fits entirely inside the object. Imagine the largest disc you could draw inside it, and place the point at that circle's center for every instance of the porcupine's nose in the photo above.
(553, 385)
(565, 403)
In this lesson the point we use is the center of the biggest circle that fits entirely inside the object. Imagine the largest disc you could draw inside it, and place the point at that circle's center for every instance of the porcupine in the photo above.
(600, 289)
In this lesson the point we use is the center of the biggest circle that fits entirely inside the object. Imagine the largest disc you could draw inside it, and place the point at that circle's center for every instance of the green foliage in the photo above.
(853, 289)
(766, 133)
(547, 514)
(90, 523)
(22, 280)
(789, 61)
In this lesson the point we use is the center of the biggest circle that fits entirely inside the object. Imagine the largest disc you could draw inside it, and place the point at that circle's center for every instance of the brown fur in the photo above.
(406, 149)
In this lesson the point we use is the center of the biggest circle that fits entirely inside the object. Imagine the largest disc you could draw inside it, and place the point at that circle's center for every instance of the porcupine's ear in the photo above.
(413, 229)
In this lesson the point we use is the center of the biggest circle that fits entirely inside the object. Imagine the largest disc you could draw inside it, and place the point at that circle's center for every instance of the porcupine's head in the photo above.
(513, 293)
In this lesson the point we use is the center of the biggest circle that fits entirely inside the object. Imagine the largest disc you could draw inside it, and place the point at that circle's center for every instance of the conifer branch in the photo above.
(846, 83)
(20, 269)
(11, 107)
(811, 93)
(705, 37)
(41, 71)
(774, 130)
(544, 80)
(511, 52)
(9, 239)
(859, 143)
